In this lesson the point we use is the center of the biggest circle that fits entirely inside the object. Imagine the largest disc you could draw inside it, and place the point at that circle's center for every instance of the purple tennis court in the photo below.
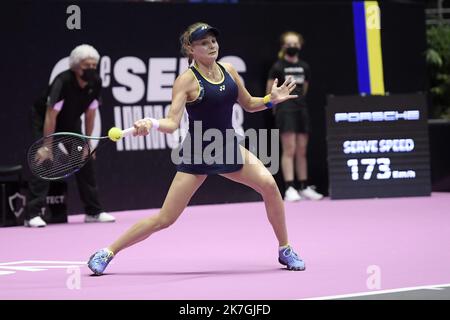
(229, 251)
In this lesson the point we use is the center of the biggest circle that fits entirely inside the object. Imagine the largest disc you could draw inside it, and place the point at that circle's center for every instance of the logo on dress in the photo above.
(222, 88)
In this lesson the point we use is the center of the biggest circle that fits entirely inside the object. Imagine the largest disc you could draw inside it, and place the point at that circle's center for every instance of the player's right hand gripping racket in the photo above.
(62, 154)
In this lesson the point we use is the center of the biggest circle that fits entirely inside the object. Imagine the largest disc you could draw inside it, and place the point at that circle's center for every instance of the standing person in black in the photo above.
(72, 93)
(291, 117)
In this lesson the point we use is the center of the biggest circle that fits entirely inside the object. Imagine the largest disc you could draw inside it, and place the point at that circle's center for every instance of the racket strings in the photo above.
(58, 156)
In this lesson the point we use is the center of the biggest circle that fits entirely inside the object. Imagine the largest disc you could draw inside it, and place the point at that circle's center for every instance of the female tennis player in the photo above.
(208, 90)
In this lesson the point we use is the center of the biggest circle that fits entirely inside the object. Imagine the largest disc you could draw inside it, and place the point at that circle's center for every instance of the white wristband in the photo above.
(155, 123)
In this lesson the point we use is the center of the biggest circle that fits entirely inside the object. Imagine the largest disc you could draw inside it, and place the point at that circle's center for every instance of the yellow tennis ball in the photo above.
(115, 134)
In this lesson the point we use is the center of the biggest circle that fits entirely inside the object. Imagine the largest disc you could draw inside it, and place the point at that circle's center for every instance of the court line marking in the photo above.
(377, 292)
(7, 268)
(42, 262)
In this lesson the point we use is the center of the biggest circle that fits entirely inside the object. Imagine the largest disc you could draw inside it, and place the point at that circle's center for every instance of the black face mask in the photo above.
(292, 51)
(90, 75)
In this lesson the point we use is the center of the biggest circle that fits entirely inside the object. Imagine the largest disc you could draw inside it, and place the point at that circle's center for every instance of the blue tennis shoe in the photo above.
(99, 261)
(290, 259)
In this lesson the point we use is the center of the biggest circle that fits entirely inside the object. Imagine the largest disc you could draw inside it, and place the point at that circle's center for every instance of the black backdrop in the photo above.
(35, 37)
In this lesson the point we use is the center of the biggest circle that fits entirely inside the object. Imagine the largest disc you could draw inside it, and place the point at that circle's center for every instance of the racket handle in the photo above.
(128, 132)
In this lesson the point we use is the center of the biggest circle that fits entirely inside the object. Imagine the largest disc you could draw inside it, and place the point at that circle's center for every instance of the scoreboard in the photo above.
(378, 146)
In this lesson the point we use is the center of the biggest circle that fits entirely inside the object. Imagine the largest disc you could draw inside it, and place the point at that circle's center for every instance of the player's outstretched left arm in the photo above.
(254, 104)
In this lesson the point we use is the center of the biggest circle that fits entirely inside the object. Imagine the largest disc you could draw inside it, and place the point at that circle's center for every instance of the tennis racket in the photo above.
(60, 155)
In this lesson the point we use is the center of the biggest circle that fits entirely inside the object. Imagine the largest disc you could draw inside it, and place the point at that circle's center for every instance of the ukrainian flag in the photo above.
(366, 18)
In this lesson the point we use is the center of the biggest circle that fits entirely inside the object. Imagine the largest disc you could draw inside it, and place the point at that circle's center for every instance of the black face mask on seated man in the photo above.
(90, 75)
(292, 51)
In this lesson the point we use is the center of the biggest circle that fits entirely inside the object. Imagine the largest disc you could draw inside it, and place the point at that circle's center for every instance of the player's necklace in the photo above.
(211, 74)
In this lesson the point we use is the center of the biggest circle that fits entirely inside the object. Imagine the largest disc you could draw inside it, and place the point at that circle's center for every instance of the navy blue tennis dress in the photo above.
(211, 145)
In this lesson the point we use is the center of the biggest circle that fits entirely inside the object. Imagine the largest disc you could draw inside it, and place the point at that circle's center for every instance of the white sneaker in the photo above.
(310, 193)
(291, 195)
(36, 222)
(101, 217)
